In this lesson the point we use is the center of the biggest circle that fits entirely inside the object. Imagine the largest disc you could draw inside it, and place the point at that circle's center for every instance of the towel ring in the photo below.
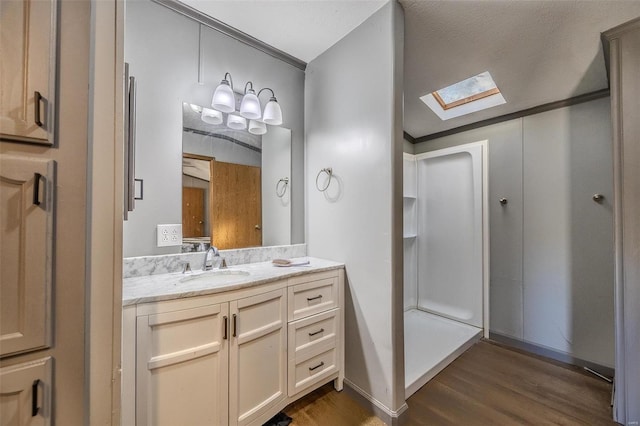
(285, 182)
(329, 173)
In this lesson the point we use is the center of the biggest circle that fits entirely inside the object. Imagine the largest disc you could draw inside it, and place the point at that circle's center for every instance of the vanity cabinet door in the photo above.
(181, 369)
(258, 355)
(27, 70)
(25, 394)
(26, 220)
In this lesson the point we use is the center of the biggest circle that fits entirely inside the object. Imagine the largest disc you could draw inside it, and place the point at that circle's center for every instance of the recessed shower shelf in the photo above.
(409, 236)
(409, 197)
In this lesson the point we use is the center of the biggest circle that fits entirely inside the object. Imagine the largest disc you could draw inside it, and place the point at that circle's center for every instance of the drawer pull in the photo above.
(309, 299)
(36, 188)
(316, 332)
(235, 326)
(316, 367)
(34, 398)
(226, 326)
(36, 108)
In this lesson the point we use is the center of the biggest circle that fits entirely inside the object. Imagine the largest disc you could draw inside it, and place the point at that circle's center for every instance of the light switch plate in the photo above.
(169, 235)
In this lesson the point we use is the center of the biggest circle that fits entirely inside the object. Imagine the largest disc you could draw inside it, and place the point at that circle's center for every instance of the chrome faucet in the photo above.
(215, 252)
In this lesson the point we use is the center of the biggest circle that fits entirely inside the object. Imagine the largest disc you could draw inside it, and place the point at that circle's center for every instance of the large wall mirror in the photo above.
(235, 185)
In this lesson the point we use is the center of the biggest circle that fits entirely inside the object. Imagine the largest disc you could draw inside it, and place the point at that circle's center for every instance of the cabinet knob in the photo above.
(503, 201)
(598, 198)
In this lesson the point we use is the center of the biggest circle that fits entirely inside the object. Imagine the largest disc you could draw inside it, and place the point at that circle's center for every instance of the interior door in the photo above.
(193, 212)
(236, 206)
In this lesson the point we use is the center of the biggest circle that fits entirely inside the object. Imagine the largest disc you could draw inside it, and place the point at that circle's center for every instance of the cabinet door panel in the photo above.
(20, 386)
(27, 43)
(182, 367)
(25, 253)
(258, 355)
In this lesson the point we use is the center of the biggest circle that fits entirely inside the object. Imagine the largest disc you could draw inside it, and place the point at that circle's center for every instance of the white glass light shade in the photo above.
(223, 99)
(272, 113)
(211, 116)
(250, 106)
(257, 127)
(236, 122)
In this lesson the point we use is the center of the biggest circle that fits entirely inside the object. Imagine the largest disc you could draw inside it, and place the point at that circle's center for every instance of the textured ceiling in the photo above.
(302, 28)
(536, 51)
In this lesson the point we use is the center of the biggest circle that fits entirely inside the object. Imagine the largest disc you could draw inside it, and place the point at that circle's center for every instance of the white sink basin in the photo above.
(219, 277)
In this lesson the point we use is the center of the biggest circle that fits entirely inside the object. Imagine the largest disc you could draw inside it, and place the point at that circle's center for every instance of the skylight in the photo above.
(467, 96)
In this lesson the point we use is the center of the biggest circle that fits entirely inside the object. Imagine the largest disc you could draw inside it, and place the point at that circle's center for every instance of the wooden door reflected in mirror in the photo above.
(236, 212)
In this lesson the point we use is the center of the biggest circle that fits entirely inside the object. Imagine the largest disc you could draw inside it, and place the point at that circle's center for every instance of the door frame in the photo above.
(211, 161)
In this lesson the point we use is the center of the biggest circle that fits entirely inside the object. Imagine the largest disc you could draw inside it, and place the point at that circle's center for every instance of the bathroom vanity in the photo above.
(230, 346)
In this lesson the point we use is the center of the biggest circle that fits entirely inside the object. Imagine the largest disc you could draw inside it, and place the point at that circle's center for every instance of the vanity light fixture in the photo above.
(272, 112)
(223, 98)
(236, 122)
(257, 127)
(250, 107)
(211, 116)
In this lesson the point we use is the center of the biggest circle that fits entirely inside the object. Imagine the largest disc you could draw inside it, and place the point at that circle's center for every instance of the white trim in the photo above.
(103, 273)
(377, 404)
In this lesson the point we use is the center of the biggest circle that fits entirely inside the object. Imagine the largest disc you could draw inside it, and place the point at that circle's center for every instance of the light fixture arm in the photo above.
(249, 83)
(273, 95)
(226, 74)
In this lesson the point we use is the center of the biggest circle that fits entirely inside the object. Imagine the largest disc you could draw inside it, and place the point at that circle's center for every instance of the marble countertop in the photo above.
(154, 288)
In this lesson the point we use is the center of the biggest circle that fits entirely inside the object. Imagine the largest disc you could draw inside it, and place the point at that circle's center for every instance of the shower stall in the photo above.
(446, 258)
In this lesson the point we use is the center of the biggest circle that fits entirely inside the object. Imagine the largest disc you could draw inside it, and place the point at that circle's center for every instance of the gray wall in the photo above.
(551, 246)
(161, 47)
(352, 126)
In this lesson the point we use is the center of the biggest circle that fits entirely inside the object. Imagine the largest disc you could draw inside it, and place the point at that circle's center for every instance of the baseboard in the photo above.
(551, 353)
(390, 417)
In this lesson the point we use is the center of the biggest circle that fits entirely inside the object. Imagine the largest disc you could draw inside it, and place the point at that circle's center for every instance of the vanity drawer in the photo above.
(313, 297)
(307, 372)
(306, 335)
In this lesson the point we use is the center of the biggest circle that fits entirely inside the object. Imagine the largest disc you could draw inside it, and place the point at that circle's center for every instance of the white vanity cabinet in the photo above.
(234, 358)
(202, 362)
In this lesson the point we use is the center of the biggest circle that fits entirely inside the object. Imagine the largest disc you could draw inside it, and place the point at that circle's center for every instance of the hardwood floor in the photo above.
(494, 385)
(487, 385)
(326, 407)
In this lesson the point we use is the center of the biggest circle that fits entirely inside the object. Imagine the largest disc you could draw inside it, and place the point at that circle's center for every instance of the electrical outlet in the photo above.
(169, 235)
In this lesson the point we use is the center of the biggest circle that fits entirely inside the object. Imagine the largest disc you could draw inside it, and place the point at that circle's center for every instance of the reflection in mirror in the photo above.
(235, 185)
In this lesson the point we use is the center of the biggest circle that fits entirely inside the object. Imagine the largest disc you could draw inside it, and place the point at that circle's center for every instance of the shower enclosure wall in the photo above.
(446, 258)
